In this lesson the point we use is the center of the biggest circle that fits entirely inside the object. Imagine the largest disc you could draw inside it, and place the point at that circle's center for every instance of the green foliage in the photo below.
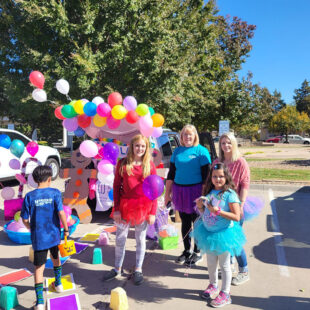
(302, 98)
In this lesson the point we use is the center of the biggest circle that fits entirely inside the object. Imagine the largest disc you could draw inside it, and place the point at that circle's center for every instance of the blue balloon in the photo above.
(5, 141)
(17, 148)
(90, 109)
(79, 132)
(111, 194)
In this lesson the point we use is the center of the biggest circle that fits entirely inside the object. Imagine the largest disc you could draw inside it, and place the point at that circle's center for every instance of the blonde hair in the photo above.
(192, 128)
(235, 154)
(146, 158)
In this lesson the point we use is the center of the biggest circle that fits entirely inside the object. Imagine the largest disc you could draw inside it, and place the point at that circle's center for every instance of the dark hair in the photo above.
(229, 184)
(42, 173)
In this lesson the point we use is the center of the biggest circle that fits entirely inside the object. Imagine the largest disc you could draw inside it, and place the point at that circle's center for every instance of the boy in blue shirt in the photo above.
(43, 206)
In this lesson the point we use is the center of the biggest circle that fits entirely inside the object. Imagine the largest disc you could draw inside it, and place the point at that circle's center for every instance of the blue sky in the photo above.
(280, 58)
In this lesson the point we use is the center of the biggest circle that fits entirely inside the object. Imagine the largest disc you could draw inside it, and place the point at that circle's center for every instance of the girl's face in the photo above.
(226, 145)
(188, 138)
(218, 179)
(139, 148)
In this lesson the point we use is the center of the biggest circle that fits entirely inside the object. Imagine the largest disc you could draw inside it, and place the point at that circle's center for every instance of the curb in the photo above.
(301, 187)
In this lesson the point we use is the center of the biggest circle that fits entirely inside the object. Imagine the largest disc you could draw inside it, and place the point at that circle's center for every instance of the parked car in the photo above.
(296, 139)
(276, 139)
(46, 155)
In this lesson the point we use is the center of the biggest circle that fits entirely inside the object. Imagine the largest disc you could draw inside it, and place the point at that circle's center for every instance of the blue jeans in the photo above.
(241, 259)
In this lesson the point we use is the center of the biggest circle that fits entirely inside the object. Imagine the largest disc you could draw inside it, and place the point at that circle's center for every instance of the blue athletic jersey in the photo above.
(188, 162)
(41, 207)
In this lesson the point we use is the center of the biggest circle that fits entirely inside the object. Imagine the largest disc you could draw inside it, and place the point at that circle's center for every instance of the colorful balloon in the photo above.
(78, 106)
(68, 111)
(142, 109)
(115, 99)
(20, 178)
(113, 123)
(158, 120)
(153, 186)
(151, 110)
(37, 79)
(63, 86)
(99, 121)
(90, 108)
(31, 181)
(14, 164)
(105, 167)
(5, 141)
(84, 120)
(130, 103)
(32, 148)
(39, 95)
(106, 179)
(118, 112)
(147, 132)
(97, 100)
(79, 132)
(132, 117)
(58, 114)
(17, 148)
(104, 110)
(71, 124)
(88, 148)
(110, 152)
(7, 193)
(145, 122)
(157, 132)
(111, 194)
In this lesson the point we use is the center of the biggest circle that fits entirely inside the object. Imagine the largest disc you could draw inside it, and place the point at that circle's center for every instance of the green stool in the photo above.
(97, 256)
(8, 297)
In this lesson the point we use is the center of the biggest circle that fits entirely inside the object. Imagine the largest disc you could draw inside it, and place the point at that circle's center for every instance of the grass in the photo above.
(251, 153)
(258, 174)
(272, 159)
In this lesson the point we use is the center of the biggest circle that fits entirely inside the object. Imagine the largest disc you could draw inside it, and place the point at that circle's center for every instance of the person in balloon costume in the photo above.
(131, 205)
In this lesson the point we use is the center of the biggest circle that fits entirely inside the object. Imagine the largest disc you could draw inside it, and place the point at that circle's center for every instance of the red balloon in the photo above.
(132, 117)
(84, 120)
(115, 99)
(37, 79)
(58, 114)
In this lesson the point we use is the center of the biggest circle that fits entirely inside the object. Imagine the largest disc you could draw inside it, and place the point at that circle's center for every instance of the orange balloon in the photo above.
(158, 120)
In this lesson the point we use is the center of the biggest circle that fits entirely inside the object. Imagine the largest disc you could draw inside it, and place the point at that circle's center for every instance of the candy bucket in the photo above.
(67, 248)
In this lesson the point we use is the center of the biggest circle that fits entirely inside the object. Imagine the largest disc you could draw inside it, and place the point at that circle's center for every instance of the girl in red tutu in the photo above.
(131, 206)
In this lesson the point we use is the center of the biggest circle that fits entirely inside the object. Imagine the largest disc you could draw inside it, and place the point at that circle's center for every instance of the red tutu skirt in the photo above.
(134, 210)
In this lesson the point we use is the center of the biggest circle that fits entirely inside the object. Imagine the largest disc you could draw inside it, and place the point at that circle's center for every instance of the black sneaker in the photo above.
(193, 260)
(112, 274)
(137, 278)
(183, 257)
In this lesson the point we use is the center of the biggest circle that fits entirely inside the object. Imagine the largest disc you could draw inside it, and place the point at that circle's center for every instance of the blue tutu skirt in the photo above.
(230, 239)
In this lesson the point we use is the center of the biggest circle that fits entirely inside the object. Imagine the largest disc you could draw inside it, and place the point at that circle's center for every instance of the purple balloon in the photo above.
(110, 152)
(153, 186)
(71, 124)
(130, 103)
(14, 164)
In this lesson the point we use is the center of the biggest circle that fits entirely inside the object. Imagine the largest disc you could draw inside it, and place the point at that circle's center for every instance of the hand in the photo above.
(117, 217)
(212, 209)
(66, 233)
(151, 219)
(199, 204)
(167, 198)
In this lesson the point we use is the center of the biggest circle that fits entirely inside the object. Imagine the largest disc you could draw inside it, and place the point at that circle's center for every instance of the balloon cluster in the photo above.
(37, 79)
(17, 147)
(17, 225)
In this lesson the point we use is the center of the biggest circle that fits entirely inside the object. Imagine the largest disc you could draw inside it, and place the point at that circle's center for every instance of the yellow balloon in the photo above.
(118, 111)
(78, 106)
(99, 121)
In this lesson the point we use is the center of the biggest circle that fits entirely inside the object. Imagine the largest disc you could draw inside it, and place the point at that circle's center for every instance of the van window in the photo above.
(14, 135)
(173, 142)
(163, 143)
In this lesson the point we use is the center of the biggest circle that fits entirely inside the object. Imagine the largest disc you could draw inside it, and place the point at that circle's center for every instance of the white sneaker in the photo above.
(39, 307)
(58, 288)
(241, 278)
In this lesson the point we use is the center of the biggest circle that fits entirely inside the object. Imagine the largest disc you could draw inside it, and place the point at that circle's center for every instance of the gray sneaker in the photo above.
(241, 278)
(112, 274)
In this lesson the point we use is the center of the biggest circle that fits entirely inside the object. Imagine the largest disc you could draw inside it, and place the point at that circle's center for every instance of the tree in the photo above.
(289, 120)
(302, 97)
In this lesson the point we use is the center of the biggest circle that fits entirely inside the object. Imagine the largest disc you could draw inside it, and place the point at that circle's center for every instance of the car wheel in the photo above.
(286, 142)
(53, 163)
(306, 142)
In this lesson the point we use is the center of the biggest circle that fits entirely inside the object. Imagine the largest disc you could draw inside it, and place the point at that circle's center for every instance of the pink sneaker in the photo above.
(210, 292)
(221, 300)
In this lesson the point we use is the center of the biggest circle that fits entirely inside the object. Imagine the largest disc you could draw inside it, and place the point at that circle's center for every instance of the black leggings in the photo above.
(187, 220)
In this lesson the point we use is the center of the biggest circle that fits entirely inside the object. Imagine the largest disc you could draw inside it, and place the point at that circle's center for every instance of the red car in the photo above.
(276, 139)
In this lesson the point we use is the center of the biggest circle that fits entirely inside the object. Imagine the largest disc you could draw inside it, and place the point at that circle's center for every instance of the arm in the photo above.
(26, 223)
(244, 184)
(151, 217)
(62, 217)
(233, 215)
(117, 184)
(169, 182)
(25, 212)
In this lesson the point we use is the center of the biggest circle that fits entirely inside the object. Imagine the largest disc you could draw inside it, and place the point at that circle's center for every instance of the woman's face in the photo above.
(226, 145)
(188, 138)
(139, 148)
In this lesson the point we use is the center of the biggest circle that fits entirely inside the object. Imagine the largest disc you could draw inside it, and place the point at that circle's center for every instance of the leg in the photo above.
(224, 261)
(212, 261)
(194, 216)
(140, 233)
(242, 262)
(39, 263)
(57, 265)
(186, 228)
(121, 237)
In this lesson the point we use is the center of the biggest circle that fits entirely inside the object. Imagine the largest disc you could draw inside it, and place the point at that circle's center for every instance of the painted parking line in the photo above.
(281, 258)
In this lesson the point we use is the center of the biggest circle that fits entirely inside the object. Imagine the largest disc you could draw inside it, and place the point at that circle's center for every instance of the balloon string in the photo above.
(53, 103)
(2, 186)
(68, 97)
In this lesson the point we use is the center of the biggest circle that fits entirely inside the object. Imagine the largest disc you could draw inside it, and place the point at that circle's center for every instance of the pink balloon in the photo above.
(146, 132)
(70, 124)
(31, 181)
(105, 167)
(145, 122)
(7, 193)
(113, 123)
(14, 164)
(14, 226)
(20, 178)
(104, 110)
(157, 132)
(67, 210)
(32, 148)
(88, 148)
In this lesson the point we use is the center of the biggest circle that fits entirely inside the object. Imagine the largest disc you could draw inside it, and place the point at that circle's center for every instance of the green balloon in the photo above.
(142, 109)
(151, 111)
(67, 111)
(72, 102)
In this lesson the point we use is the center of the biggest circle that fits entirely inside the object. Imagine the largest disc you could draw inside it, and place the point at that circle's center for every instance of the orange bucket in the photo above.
(67, 248)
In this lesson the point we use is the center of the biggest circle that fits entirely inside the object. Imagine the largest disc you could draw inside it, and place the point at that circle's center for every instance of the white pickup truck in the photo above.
(46, 155)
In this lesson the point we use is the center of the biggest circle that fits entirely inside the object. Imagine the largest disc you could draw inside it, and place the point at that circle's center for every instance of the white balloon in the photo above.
(97, 100)
(63, 86)
(7, 193)
(31, 181)
(106, 179)
(39, 95)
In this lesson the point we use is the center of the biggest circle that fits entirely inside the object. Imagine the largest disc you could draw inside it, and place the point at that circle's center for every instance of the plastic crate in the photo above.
(169, 243)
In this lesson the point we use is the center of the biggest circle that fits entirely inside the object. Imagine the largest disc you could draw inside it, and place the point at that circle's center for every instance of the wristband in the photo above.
(218, 211)
(66, 230)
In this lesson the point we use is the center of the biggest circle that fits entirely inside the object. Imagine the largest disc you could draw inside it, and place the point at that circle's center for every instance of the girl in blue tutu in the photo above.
(218, 232)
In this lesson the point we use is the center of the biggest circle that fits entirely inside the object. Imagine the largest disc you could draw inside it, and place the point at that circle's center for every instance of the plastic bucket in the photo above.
(67, 248)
